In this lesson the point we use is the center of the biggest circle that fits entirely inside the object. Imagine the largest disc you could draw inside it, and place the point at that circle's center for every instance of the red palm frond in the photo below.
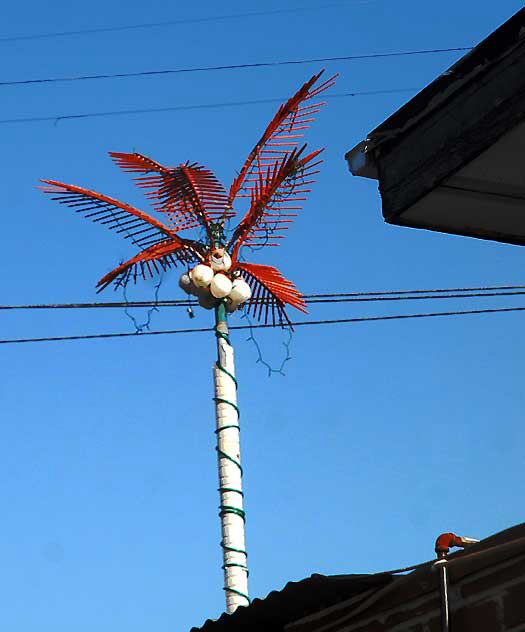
(142, 229)
(270, 293)
(189, 194)
(281, 136)
(162, 247)
(277, 192)
(149, 262)
(137, 163)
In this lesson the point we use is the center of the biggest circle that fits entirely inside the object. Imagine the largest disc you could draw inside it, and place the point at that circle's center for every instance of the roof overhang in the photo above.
(453, 158)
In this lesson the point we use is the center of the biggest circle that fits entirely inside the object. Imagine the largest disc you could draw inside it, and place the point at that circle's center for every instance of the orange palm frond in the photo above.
(275, 178)
(160, 244)
(189, 194)
(142, 229)
(153, 260)
(270, 293)
(281, 136)
(275, 194)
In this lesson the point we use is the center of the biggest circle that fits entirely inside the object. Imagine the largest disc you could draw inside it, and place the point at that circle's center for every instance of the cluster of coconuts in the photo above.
(212, 282)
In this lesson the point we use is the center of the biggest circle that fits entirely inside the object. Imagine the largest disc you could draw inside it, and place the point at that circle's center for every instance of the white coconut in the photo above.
(220, 286)
(186, 284)
(220, 260)
(240, 292)
(206, 300)
(201, 275)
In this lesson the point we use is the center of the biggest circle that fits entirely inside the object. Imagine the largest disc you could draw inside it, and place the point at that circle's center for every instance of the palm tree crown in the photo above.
(274, 180)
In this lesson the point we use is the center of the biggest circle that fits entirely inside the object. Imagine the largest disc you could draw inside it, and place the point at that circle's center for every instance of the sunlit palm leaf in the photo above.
(270, 293)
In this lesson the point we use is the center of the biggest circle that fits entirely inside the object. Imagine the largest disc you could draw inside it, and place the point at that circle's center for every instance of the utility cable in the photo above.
(150, 73)
(266, 326)
(182, 21)
(309, 298)
(488, 288)
(420, 297)
(56, 118)
(269, 64)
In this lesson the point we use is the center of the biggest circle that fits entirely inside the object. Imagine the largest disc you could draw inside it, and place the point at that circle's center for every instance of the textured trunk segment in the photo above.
(230, 470)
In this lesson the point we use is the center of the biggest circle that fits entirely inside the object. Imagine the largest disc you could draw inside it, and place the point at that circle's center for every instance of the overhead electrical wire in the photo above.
(263, 326)
(486, 288)
(269, 64)
(345, 299)
(56, 118)
(182, 21)
(397, 295)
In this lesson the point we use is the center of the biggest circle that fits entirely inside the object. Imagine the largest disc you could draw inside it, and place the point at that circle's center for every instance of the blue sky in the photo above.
(379, 437)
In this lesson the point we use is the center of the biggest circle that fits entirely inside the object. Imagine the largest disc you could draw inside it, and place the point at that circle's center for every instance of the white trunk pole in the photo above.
(230, 470)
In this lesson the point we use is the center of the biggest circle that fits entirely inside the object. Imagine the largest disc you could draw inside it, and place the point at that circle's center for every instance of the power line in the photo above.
(262, 326)
(269, 64)
(420, 297)
(309, 298)
(146, 25)
(65, 117)
(486, 288)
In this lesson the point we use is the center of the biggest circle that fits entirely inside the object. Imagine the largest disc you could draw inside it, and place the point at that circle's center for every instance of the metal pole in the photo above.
(230, 470)
(443, 589)
(443, 544)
